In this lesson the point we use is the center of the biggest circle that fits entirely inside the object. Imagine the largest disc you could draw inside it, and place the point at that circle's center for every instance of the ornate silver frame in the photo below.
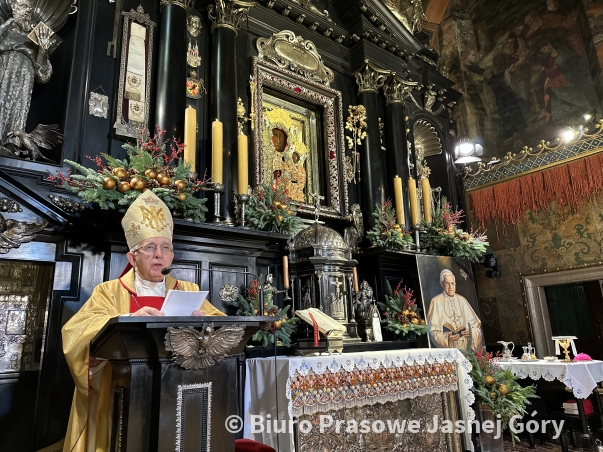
(294, 86)
(122, 127)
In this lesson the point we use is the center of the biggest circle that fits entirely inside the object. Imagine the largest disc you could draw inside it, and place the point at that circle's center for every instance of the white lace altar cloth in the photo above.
(324, 383)
(581, 376)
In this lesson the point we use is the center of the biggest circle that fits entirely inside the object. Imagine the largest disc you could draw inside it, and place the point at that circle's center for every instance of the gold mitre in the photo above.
(147, 217)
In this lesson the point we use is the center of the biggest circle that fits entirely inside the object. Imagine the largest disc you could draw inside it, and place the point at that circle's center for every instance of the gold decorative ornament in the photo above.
(139, 184)
(369, 77)
(163, 179)
(489, 380)
(109, 183)
(150, 173)
(123, 186)
(397, 90)
(193, 25)
(180, 184)
(119, 172)
(186, 4)
(503, 389)
(181, 197)
(356, 124)
(229, 13)
(296, 54)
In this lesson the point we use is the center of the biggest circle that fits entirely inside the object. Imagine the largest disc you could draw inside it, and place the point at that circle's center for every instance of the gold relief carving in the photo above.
(370, 78)
(396, 89)
(292, 52)
(286, 138)
(186, 4)
(229, 13)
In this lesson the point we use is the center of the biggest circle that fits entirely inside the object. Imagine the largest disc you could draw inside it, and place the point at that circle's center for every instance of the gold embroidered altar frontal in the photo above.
(421, 409)
(338, 387)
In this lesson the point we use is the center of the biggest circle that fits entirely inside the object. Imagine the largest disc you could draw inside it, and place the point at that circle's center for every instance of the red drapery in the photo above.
(567, 184)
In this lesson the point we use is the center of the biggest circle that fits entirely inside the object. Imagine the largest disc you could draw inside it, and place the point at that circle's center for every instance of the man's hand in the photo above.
(454, 337)
(147, 310)
(198, 313)
(466, 332)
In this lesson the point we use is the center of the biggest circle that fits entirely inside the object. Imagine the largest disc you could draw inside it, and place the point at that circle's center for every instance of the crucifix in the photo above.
(317, 198)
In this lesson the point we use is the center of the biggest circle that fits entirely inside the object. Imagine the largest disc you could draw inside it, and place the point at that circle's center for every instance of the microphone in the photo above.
(167, 270)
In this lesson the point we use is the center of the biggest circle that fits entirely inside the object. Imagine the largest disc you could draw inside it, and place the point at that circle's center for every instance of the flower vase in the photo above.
(488, 441)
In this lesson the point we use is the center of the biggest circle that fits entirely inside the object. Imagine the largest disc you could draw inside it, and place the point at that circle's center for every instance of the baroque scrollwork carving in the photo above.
(13, 233)
(186, 4)
(295, 53)
(193, 349)
(396, 89)
(8, 205)
(68, 205)
(370, 78)
(310, 7)
(229, 13)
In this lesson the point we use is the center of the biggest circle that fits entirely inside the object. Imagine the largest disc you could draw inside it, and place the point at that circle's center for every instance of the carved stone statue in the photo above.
(409, 12)
(363, 303)
(13, 233)
(352, 235)
(27, 37)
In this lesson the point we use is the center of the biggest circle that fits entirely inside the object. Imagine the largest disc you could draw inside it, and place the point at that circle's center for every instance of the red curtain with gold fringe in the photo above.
(567, 184)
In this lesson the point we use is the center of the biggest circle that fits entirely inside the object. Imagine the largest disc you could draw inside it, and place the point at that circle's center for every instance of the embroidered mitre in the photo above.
(147, 217)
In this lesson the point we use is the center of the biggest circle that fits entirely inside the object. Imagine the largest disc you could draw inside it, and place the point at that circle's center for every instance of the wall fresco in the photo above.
(522, 67)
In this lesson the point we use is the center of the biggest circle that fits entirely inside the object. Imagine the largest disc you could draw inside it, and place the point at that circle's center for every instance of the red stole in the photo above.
(138, 302)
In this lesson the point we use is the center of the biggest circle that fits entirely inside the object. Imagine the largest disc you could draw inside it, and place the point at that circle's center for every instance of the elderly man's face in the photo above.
(449, 285)
(150, 256)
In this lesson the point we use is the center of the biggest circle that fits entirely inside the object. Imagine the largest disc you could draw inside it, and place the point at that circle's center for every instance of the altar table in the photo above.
(386, 385)
(581, 377)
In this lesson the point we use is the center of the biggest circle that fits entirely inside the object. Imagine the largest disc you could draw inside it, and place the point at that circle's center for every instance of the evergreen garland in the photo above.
(443, 236)
(281, 329)
(386, 232)
(497, 388)
(270, 209)
(401, 313)
(148, 167)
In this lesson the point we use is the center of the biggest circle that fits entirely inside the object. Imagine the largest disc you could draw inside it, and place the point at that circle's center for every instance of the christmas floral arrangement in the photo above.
(249, 306)
(149, 166)
(401, 313)
(497, 388)
(270, 209)
(386, 232)
(445, 237)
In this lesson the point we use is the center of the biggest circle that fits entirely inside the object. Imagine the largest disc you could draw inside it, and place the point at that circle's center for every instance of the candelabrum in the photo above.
(417, 235)
(286, 298)
(218, 189)
(242, 200)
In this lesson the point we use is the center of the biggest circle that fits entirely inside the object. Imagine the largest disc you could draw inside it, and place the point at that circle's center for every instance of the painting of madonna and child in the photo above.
(450, 302)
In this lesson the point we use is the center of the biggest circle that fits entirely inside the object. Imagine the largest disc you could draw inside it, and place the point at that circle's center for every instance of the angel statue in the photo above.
(27, 37)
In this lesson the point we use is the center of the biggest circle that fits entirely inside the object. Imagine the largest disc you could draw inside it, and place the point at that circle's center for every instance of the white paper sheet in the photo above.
(182, 303)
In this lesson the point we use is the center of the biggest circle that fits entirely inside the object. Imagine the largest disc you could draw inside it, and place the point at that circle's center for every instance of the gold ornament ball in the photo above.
(414, 321)
(278, 324)
(150, 173)
(422, 322)
(109, 183)
(503, 389)
(119, 172)
(180, 184)
(405, 312)
(181, 196)
(289, 212)
(279, 218)
(489, 380)
(396, 226)
(164, 179)
(123, 186)
(493, 395)
(139, 184)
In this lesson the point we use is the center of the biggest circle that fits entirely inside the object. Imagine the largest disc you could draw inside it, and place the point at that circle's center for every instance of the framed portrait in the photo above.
(298, 126)
(450, 301)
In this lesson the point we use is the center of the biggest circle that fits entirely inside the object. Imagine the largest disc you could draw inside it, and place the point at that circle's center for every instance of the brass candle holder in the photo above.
(218, 189)
(242, 200)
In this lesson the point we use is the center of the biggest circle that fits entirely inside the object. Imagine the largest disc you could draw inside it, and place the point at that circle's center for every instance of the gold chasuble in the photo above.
(93, 377)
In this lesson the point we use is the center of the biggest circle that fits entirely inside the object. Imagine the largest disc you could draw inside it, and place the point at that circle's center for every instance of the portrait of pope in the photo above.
(450, 315)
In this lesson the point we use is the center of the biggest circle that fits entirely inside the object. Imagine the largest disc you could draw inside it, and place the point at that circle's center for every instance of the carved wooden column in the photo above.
(170, 101)
(396, 90)
(226, 17)
(372, 181)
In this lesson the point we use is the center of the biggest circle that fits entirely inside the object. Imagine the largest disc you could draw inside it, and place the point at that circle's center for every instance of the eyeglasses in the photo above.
(152, 249)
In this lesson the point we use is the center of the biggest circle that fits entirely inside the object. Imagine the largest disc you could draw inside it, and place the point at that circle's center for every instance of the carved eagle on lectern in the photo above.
(193, 349)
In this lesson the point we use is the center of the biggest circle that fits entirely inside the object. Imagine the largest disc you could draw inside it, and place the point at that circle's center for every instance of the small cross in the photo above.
(317, 198)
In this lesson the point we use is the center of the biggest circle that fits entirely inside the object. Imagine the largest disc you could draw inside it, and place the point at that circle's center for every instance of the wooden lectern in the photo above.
(175, 380)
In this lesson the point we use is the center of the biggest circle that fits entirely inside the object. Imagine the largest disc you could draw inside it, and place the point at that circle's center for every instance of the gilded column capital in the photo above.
(396, 89)
(186, 4)
(370, 78)
(229, 13)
